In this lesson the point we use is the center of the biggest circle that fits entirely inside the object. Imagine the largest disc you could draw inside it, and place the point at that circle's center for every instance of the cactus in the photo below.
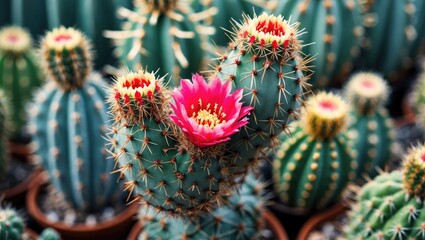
(19, 73)
(371, 125)
(174, 163)
(311, 170)
(240, 219)
(164, 35)
(68, 120)
(334, 26)
(418, 99)
(391, 29)
(4, 133)
(49, 234)
(266, 62)
(391, 206)
(11, 224)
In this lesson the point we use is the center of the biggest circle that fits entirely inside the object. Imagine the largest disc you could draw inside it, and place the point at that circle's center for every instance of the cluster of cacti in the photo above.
(69, 116)
(163, 35)
(334, 26)
(4, 133)
(311, 170)
(394, 31)
(265, 60)
(372, 128)
(184, 163)
(239, 219)
(19, 73)
(391, 206)
(12, 227)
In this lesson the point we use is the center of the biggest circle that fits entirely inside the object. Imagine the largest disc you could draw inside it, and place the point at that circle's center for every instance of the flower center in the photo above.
(423, 156)
(209, 117)
(63, 38)
(271, 27)
(368, 84)
(136, 83)
(12, 38)
(328, 106)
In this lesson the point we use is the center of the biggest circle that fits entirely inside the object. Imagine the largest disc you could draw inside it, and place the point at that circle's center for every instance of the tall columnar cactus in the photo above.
(4, 133)
(19, 73)
(370, 123)
(393, 30)
(11, 224)
(266, 62)
(334, 29)
(68, 120)
(391, 206)
(175, 163)
(164, 35)
(239, 219)
(312, 169)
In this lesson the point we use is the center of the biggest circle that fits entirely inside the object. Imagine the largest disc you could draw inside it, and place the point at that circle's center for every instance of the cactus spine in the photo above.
(239, 219)
(11, 224)
(265, 61)
(391, 206)
(335, 28)
(68, 120)
(311, 170)
(371, 125)
(19, 73)
(161, 34)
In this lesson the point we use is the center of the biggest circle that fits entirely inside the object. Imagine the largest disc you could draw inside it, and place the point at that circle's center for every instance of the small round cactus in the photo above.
(311, 170)
(392, 205)
(49, 234)
(11, 224)
(19, 73)
(370, 124)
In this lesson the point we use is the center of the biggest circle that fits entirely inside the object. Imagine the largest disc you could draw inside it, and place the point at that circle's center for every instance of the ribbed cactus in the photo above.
(174, 163)
(334, 28)
(49, 234)
(391, 32)
(266, 62)
(164, 35)
(391, 206)
(11, 224)
(4, 133)
(370, 123)
(19, 73)
(240, 219)
(311, 170)
(68, 119)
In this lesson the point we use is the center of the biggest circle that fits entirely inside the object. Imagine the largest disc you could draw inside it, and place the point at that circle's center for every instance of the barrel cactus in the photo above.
(240, 219)
(265, 60)
(11, 224)
(391, 206)
(335, 28)
(19, 73)
(161, 34)
(372, 128)
(68, 120)
(311, 170)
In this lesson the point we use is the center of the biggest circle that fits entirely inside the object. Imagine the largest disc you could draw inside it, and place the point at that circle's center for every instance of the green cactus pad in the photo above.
(19, 73)
(11, 224)
(311, 170)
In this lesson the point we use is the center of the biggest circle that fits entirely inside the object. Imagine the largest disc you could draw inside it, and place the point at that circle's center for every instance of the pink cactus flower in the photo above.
(208, 114)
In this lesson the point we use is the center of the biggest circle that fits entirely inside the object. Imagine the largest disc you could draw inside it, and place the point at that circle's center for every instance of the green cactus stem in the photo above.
(19, 73)
(266, 62)
(11, 224)
(311, 170)
(370, 124)
(391, 206)
(68, 121)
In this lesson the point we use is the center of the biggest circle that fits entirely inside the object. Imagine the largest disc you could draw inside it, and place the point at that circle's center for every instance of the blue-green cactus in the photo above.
(11, 224)
(68, 119)
(49, 234)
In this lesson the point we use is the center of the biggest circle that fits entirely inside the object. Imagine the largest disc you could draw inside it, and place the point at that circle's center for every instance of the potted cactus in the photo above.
(68, 121)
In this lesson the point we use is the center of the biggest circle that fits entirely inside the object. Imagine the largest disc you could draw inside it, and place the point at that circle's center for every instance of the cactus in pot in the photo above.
(311, 170)
(161, 34)
(68, 119)
(19, 73)
(239, 219)
(391, 206)
(372, 128)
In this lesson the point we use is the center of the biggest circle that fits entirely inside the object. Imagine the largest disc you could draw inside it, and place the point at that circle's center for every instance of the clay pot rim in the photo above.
(320, 218)
(271, 220)
(22, 187)
(40, 217)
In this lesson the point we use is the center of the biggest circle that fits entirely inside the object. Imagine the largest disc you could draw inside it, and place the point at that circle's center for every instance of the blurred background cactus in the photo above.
(68, 119)
(4, 133)
(19, 74)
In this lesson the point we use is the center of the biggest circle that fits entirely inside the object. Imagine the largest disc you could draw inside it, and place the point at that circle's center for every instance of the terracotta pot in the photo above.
(271, 221)
(315, 221)
(115, 228)
(19, 191)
